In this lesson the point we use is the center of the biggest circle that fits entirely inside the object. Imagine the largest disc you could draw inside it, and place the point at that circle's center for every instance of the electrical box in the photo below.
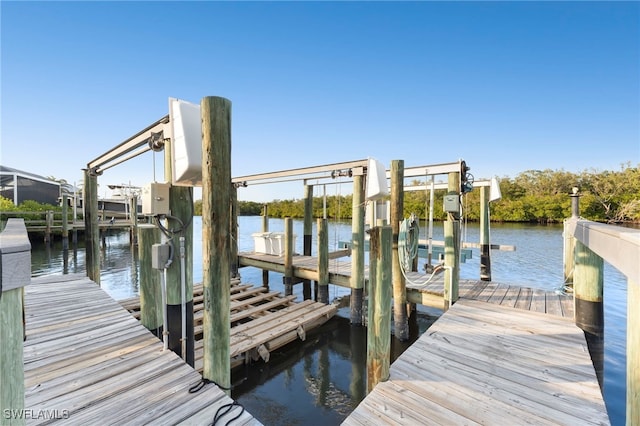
(160, 255)
(155, 199)
(451, 203)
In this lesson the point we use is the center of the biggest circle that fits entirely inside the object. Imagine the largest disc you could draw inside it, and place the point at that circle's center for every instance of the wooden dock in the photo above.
(483, 363)
(261, 321)
(87, 360)
(418, 290)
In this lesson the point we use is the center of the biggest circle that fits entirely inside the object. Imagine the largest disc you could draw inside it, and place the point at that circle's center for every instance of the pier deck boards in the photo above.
(483, 363)
(85, 357)
(419, 290)
(260, 319)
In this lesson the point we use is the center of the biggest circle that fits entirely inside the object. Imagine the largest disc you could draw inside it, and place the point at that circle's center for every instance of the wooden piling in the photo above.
(216, 180)
(151, 306)
(134, 220)
(568, 249)
(48, 223)
(265, 228)
(633, 353)
(288, 256)
(485, 243)
(307, 235)
(233, 249)
(323, 261)
(15, 271)
(65, 223)
(357, 250)
(91, 229)
(452, 246)
(401, 326)
(588, 279)
(379, 307)
(569, 243)
(181, 225)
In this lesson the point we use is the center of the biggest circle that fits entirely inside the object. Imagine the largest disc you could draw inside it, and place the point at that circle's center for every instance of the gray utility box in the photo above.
(451, 203)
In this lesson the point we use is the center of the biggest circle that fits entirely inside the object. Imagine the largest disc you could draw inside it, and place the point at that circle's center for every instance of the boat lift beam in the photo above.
(141, 142)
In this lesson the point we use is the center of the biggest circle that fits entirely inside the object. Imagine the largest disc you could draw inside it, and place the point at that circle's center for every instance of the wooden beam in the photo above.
(400, 323)
(216, 179)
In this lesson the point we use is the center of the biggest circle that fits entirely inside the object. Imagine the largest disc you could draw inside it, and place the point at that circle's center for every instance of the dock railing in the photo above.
(620, 247)
(15, 273)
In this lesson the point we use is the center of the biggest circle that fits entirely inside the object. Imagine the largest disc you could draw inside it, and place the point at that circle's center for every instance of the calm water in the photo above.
(321, 380)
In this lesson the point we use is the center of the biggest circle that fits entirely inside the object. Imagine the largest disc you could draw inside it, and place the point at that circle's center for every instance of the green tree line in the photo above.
(532, 196)
(540, 196)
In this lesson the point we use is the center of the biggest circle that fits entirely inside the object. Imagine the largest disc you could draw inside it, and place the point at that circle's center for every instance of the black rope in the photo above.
(202, 383)
(226, 409)
(223, 410)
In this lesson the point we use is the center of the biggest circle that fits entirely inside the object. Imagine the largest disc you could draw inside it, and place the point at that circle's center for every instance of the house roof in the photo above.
(4, 170)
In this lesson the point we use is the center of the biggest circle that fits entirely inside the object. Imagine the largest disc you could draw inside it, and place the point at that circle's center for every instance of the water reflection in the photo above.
(318, 381)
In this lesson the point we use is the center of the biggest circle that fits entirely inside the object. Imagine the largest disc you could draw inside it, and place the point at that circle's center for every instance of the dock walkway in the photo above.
(483, 363)
(87, 360)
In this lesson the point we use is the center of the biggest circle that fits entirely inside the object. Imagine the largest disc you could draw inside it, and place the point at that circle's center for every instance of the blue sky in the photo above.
(507, 86)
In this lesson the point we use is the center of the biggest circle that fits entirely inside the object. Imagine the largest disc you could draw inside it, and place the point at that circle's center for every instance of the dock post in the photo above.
(216, 183)
(379, 311)
(265, 228)
(307, 238)
(15, 271)
(323, 261)
(133, 211)
(65, 223)
(151, 306)
(569, 242)
(588, 287)
(357, 250)
(48, 220)
(181, 269)
(91, 229)
(233, 249)
(452, 246)
(288, 256)
(485, 243)
(633, 353)
(400, 323)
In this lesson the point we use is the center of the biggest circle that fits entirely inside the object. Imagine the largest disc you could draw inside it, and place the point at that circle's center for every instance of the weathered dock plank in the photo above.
(86, 359)
(259, 319)
(425, 289)
(483, 363)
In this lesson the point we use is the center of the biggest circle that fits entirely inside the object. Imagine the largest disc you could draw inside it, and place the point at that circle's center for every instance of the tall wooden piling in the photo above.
(307, 237)
(265, 228)
(233, 250)
(91, 229)
(216, 183)
(65, 222)
(588, 280)
(357, 250)
(569, 241)
(48, 221)
(379, 311)
(633, 353)
(288, 256)
(151, 307)
(133, 211)
(180, 224)
(15, 268)
(485, 243)
(323, 261)
(452, 246)
(400, 324)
